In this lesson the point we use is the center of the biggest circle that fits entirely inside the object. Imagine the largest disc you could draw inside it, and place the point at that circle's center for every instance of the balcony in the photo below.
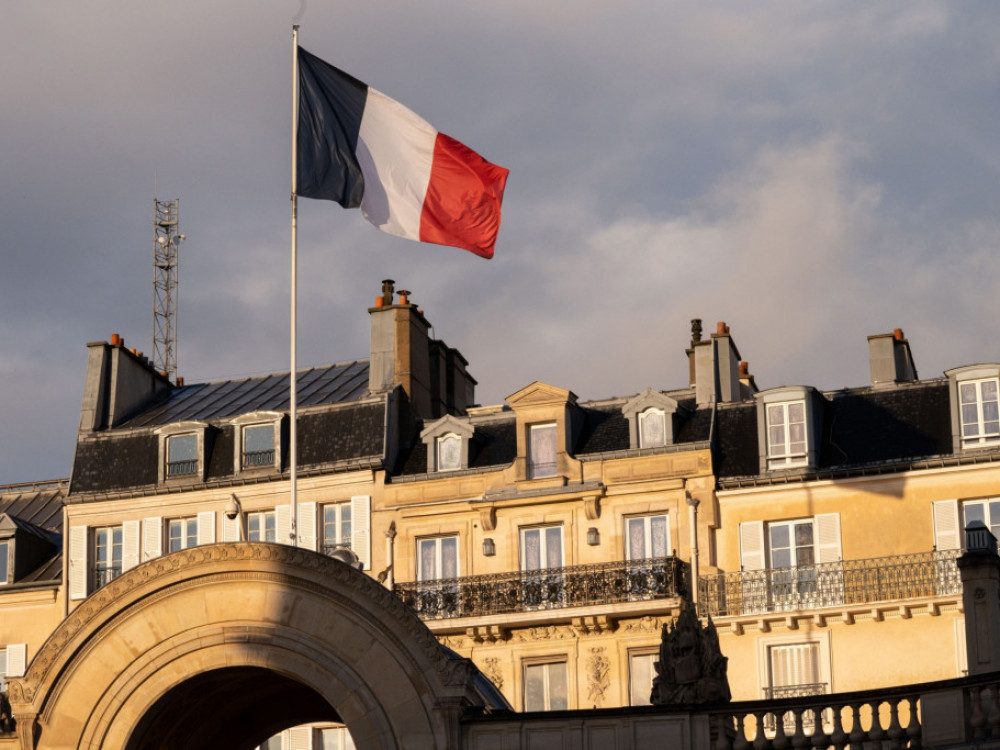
(105, 574)
(551, 588)
(879, 579)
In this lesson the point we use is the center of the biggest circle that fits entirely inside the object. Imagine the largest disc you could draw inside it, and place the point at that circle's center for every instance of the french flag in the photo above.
(358, 147)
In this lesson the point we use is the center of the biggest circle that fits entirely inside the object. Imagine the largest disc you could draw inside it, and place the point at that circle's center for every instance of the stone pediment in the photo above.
(444, 425)
(540, 394)
(650, 398)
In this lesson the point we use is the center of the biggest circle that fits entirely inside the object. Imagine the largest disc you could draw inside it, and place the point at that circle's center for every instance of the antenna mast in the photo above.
(166, 239)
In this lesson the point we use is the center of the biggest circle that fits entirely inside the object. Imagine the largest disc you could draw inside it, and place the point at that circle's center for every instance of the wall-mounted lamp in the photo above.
(593, 536)
(489, 547)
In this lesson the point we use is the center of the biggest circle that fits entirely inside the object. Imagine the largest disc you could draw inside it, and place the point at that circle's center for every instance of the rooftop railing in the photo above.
(551, 588)
(846, 582)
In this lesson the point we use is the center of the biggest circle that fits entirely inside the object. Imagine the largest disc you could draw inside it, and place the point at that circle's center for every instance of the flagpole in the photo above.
(293, 400)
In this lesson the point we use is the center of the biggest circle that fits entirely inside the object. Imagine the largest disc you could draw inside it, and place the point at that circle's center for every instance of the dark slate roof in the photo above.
(126, 457)
(604, 430)
(50, 571)
(38, 503)
(318, 386)
(862, 427)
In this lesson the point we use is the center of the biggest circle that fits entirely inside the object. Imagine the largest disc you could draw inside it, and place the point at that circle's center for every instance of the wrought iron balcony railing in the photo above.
(105, 574)
(878, 579)
(255, 459)
(552, 588)
(182, 468)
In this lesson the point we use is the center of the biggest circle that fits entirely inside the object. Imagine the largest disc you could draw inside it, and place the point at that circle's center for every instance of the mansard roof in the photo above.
(340, 425)
(317, 386)
(864, 430)
(36, 509)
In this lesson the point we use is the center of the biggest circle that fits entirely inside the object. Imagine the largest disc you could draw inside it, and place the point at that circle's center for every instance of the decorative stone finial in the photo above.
(691, 668)
(695, 330)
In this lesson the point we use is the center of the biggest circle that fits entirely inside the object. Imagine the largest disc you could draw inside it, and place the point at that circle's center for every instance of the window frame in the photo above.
(982, 438)
(256, 420)
(644, 418)
(957, 378)
(641, 653)
(178, 430)
(438, 544)
(787, 458)
(545, 664)
(265, 516)
(338, 522)
(105, 571)
(6, 568)
(646, 519)
(812, 403)
(188, 539)
(543, 551)
(456, 459)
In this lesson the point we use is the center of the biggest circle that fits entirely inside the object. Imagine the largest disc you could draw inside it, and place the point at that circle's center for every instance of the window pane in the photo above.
(4, 549)
(449, 453)
(640, 674)
(968, 393)
(532, 549)
(558, 689)
(652, 429)
(269, 532)
(258, 438)
(779, 536)
(182, 448)
(253, 527)
(776, 415)
(803, 534)
(658, 535)
(974, 512)
(449, 557)
(428, 571)
(534, 687)
(636, 539)
(553, 544)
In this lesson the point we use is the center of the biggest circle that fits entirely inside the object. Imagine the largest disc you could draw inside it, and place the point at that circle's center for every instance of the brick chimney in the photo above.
(890, 359)
(433, 375)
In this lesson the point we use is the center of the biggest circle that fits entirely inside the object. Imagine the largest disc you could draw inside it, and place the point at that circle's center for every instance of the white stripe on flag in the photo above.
(395, 150)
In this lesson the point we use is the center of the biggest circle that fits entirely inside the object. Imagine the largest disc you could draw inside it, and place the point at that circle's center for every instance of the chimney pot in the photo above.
(388, 286)
(898, 334)
(721, 328)
(116, 340)
(180, 381)
(379, 302)
(404, 295)
(744, 369)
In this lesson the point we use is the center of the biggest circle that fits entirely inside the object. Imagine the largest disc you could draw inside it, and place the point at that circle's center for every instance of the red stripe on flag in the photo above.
(462, 204)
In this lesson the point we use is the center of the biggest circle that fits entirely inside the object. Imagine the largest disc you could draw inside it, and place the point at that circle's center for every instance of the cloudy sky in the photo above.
(810, 173)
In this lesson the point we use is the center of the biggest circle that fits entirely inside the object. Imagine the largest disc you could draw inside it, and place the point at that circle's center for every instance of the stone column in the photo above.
(693, 503)
(980, 570)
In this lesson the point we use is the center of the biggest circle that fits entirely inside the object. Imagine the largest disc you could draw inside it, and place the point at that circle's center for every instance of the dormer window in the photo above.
(975, 406)
(652, 428)
(182, 455)
(786, 435)
(182, 452)
(258, 446)
(653, 419)
(449, 452)
(447, 442)
(542, 447)
(258, 442)
(789, 426)
(978, 408)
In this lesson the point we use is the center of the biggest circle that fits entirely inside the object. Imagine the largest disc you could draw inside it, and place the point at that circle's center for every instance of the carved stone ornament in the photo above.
(691, 669)
(491, 668)
(598, 667)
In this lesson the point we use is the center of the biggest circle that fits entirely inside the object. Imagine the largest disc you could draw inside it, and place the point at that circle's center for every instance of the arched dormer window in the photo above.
(653, 419)
(447, 441)
(652, 428)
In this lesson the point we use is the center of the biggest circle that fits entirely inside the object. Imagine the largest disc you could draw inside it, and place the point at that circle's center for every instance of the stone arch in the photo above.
(327, 641)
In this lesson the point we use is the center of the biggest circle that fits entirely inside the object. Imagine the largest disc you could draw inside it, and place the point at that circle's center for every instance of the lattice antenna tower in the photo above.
(166, 240)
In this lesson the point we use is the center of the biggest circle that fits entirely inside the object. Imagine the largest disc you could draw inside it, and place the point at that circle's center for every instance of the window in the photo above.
(336, 527)
(4, 564)
(107, 554)
(542, 451)
(979, 413)
(985, 511)
(794, 672)
(541, 566)
(183, 533)
(449, 452)
(641, 671)
(647, 536)
(182, 455)
(258, 446)
(546, 687)
(261, 526)
(652, 428)
(786, 435)
(791, 564)
(437, 558)
(333, 738)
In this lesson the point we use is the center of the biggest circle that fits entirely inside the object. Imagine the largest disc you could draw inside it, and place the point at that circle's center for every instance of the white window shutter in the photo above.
(79, 536)
(947, 528)
(361, 522)
(152, 538)
(299, 738)
(206, 527)
(827, 537)
(130, 545)
(283, 524)
(752, 545)
(17, 659)
(307, 525)
(231, 527)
